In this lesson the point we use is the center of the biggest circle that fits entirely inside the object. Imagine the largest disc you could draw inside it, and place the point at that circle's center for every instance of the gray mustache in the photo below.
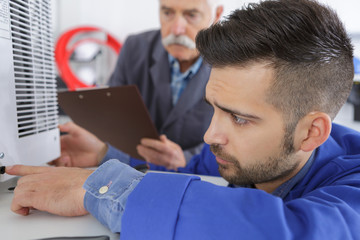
(181, 40)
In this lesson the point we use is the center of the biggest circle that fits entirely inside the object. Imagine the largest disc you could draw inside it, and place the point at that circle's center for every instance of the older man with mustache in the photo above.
(171, 77)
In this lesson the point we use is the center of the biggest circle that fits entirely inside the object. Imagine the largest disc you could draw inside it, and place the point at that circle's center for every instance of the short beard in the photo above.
(274, 168)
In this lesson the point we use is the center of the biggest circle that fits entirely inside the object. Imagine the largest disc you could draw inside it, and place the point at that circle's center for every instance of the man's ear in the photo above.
(218, 13)
(313, 130)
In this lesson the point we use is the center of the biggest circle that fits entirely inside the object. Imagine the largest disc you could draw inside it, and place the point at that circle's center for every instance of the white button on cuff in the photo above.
(103, 189)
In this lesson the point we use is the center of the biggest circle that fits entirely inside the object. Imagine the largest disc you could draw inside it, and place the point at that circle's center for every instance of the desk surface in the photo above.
(39, 225)
(43, 225)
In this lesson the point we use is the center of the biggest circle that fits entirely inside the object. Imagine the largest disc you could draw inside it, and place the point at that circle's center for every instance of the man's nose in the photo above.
(179, 25)
(215, 134)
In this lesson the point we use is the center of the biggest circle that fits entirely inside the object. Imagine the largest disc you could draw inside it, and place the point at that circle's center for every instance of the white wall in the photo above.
(119, 17)
(347, 10)
(123, 17)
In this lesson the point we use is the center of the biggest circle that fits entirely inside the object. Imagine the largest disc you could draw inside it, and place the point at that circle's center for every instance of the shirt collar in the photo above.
(175, 66)
(286, 187)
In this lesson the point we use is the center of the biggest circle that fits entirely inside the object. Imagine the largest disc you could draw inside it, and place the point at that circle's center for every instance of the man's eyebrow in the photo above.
(165, 8)
(237, 113)
(192, 10)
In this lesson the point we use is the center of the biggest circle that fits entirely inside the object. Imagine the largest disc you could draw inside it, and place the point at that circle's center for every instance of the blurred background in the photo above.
(88, 36)
(122, 18)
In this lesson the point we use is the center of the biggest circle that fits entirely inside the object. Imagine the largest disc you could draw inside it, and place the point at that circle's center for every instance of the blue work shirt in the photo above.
(122, 180)
(324, 204)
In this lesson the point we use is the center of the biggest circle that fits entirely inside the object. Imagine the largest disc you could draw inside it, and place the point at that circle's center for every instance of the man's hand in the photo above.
(79, 148)
(164, 152)
(54, 190)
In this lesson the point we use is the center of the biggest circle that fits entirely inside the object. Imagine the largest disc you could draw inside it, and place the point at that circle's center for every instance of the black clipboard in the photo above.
(116, 115)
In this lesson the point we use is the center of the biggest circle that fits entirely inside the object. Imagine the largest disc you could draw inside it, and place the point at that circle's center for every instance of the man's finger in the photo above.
(64, 128)
(154, 144)
(22, 170)
(62, 161)
(163, 138)
(68, 127)
(22, 203)
(150, 155)
(148, 142)
(53, 162)
(146, 152)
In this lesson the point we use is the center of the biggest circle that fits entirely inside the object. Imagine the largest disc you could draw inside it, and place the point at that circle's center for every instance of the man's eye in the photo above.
(192, 17)
(239, 120)
(167, 13)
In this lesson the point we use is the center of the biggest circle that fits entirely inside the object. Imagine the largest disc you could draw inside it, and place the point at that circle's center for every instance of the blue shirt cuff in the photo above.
(107, 191)
(113, 153)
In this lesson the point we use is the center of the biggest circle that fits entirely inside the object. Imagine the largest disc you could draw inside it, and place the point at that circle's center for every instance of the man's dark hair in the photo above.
(303, 41)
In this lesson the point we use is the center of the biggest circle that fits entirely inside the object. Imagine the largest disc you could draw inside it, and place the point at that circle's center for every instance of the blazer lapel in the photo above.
(193, 93)
(160, 76)
(160, 69)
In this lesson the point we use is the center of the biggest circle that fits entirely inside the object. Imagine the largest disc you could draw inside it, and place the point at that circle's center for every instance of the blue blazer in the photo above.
(143, 61)
(325, 204)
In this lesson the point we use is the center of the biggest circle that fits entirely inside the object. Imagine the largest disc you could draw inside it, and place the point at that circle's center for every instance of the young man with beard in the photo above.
(281, 70)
